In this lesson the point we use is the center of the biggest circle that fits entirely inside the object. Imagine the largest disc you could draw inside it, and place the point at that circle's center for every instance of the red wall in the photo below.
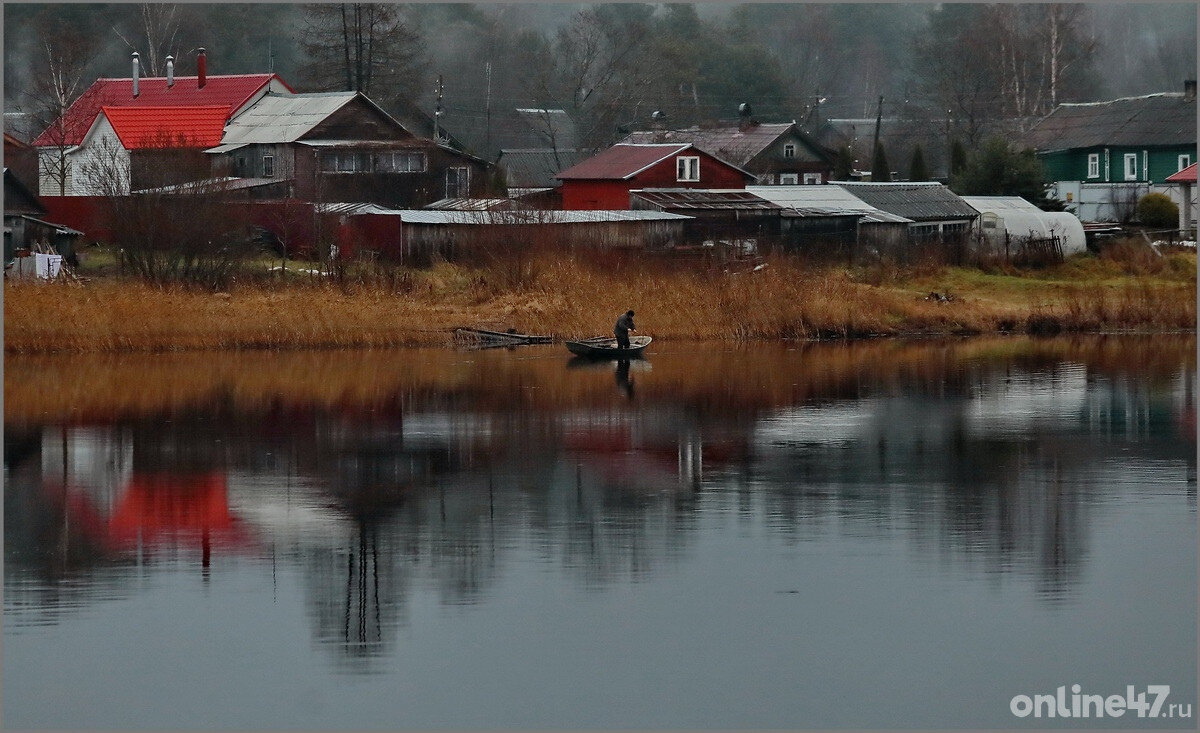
(78, 212)
(579, 195)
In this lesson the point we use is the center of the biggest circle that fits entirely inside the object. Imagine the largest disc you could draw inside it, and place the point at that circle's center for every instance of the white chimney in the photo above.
(170, 71)
(135, 74)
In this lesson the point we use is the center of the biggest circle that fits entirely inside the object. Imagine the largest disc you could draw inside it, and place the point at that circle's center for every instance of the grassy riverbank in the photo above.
(568, 297)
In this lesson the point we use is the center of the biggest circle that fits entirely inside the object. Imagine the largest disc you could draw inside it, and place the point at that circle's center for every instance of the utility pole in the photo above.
(437, 109)
(488, 106)
(878, 120)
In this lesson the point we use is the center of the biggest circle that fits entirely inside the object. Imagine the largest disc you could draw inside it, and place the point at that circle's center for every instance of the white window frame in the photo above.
(1184, 161)
(687, 168)
(811, 179)
(394, 159)
(1131, 174)
(788, 179)
(789, 150)
(1093, 170)
(268, 166)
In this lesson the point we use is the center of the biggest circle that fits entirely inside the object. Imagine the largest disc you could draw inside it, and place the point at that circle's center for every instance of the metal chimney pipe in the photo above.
(170, 71)
(201, 69)
(135, 74)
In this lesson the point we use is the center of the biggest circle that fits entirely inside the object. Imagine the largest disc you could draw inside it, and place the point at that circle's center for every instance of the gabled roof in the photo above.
(232, 90)
(916, 201)
(623, 161)
(278, 118)
(1154, 119)
(732, 143)
(167, 127)
(1187, 175)
(537, 168)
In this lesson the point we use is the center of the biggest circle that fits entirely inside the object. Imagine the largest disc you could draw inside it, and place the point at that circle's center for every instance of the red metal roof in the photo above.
(1187, 175)
(621, 162)
(232, 91)
(168, 127)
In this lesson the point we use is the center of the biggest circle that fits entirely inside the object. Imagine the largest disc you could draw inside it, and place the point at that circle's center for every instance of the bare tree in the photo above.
(362, 47)
(194, 232)
(59, 75)
(159, 24)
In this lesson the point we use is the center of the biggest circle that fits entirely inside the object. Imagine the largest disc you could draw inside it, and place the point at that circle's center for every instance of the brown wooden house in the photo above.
(342, 147)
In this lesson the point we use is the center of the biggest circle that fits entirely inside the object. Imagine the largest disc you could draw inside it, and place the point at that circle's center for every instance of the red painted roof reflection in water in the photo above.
(190, 507)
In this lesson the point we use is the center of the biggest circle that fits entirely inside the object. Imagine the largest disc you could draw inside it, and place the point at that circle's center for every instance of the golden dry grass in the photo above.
(569, 297)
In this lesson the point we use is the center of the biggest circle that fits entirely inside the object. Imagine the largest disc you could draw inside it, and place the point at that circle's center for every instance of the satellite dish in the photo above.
(657, 114)
(744, 109)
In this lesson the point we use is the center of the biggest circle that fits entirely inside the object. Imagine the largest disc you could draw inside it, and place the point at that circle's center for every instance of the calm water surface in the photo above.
(872, 535)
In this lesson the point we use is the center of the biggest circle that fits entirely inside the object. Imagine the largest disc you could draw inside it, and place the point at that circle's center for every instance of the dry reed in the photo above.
(581, 296)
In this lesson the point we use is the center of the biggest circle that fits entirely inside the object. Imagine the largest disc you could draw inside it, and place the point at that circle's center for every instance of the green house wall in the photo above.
(1071, 165)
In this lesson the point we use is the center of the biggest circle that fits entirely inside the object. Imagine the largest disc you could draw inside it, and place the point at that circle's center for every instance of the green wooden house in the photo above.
(1099, 155)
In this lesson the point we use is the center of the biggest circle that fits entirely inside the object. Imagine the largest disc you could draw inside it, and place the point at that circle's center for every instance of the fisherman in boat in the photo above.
(622, 329)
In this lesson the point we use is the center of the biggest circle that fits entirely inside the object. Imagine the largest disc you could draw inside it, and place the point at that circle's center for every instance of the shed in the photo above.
(1186, 181)
(717, 214)
(414, 235)
(808, 205)
(1013, 219)
(937, 212)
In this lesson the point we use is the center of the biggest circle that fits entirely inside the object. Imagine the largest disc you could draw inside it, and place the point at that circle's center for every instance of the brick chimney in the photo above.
(136, 70)
(170, 71)
(1189, 90)
(201, 69)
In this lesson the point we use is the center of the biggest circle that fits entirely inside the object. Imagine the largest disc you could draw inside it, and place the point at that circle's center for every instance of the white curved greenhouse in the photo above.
(1018, 219)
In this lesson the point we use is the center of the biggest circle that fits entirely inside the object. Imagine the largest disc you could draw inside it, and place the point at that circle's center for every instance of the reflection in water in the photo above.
(432, 473)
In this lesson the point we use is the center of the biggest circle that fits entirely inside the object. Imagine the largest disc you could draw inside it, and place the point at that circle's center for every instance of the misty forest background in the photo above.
(956, 69)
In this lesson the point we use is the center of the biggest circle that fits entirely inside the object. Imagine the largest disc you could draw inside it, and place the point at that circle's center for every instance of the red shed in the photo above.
(605, 180)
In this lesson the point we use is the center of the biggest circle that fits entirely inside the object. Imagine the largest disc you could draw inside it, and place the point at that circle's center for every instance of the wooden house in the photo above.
(605, 180)
(1102, 156)
(342, 147)
(775, 153)
(56, 144)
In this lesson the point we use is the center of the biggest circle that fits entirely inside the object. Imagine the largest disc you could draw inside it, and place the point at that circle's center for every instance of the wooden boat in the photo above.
(605, 347)
(484, 337)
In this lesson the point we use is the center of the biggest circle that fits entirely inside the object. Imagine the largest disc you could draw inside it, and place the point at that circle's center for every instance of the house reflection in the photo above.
(994, 466)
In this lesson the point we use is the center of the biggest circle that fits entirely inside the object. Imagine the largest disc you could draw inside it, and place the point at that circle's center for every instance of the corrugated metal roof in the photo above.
(226, 183)
(465, 204)
(704, 199)
(916, 201)
(733, 143)
(233, 90)
(1187, 175)
(421, 216)
(537, 168)
(827, 198)
(284, 119)
(1155, 119)
(984, 204)
(167, 127)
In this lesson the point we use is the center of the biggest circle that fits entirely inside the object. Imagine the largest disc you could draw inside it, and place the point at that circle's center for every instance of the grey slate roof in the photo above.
(286, 118)
(536, 168)
(729, 143)
(1155, 119)
(916, 201)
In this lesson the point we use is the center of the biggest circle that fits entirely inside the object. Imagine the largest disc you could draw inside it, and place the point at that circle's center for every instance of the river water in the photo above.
(885, 534)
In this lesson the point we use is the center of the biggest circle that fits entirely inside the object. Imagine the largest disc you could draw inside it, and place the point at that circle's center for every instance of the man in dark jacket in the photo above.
(622, 329)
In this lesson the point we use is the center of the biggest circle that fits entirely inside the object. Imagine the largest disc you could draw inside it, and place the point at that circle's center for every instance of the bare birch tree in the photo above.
(362, 47)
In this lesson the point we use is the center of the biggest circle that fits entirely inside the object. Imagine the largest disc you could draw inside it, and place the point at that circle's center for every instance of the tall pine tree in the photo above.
(879, 165)
(916, 166)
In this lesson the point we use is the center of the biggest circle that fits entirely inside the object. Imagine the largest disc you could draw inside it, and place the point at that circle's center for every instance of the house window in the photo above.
(268, 166)
(1131, 166)
(343, 162)
(788, 179)
(1093, 165)
(766, 179)
(687, 168)
(789, 150)
(810, 178)
(1184, 161)
(458, 183)
(400, 162)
